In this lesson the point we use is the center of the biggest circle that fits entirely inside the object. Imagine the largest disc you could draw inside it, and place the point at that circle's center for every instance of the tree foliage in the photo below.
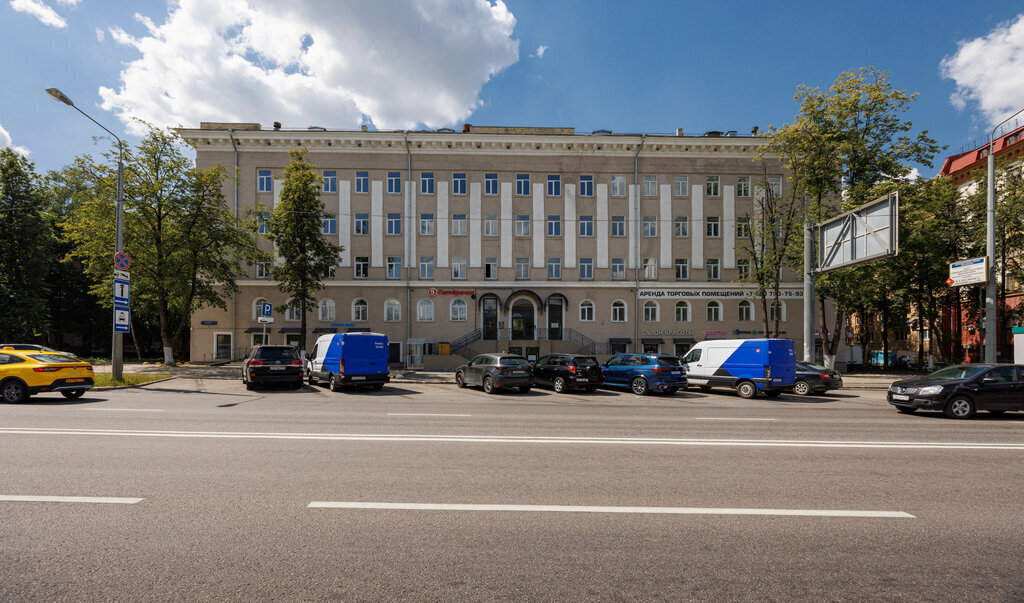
(186, 247)
(26, 250)
(296, 230)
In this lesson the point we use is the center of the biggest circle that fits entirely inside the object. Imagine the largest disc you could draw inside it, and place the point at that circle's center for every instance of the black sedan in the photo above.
(493, 371)
(272, 364)
(814, 379)
(960, 391)
(568, 371)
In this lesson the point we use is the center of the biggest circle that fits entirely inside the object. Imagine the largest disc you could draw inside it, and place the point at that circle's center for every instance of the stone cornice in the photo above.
(447, 143)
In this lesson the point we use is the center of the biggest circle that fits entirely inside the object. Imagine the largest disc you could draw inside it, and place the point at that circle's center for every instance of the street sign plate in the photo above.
(122, 319)
(122, 261)
(120, 293)
(968, 272)
(266, 319)
(266, 309)
(122, 275)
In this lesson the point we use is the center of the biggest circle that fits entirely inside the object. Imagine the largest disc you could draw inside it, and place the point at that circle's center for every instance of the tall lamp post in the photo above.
(990, 247)
(116, 354)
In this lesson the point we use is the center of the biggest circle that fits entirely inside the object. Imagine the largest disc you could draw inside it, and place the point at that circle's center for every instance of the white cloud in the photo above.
(100, 34)
(989, 71)
(541, 50)
(305, 62)
(68, 2)
(5, 141)
(45, 14)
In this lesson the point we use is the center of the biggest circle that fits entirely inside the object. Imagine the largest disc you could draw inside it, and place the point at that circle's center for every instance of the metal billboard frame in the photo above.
(867, 233)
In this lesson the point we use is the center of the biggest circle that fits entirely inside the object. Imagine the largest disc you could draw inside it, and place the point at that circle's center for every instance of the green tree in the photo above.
(295, 228)
(843, 143)
(26, 250)
(186, 247)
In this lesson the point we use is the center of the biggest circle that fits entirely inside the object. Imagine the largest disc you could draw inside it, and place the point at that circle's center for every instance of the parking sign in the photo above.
(266, 309)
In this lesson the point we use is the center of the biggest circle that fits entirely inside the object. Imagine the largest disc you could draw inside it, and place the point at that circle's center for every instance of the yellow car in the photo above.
(24, 373)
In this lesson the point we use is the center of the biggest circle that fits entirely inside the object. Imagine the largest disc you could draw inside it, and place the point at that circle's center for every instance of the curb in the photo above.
(104, 388)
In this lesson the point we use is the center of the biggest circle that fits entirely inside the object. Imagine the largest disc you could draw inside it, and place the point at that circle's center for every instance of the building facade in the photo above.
(521, 239)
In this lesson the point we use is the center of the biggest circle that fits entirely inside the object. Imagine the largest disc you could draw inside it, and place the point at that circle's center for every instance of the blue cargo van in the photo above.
(747, 365)
(349, 359)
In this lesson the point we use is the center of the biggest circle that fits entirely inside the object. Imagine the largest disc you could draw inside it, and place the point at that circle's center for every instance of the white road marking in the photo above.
(71, 499)
(630, 510)
(129, 409)
(731, 419)
(489, 439)
(415, 414)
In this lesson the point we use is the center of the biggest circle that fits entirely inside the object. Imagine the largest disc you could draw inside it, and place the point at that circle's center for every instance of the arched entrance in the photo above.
(523, 320)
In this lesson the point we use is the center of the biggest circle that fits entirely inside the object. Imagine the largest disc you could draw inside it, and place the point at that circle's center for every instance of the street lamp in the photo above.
(116, 354)
(990, 247)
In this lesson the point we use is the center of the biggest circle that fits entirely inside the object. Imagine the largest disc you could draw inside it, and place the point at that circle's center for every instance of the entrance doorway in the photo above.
(523, 325)
(490, 319)
(222, 346)
(555, 317)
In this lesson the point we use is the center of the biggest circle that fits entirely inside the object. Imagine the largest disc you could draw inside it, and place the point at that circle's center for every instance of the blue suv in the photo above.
(645, 372)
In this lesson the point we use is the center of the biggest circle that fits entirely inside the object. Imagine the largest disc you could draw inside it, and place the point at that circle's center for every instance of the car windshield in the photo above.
(513, 361)
(585, 361)
(278, 354)
(964, 371)
(668, 361)
(52, 358)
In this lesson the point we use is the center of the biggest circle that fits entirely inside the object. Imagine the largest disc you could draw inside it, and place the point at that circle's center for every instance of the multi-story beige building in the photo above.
(525, 239)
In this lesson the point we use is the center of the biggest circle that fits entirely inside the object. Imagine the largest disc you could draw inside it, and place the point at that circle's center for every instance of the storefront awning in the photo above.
(256, 329)
(683, 340)
(325, 330)
(620, 340)
(358, 330)
(652, 340)
(289, 330)
(416, 341)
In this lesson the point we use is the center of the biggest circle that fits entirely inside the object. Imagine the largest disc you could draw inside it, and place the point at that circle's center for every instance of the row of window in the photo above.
(393, 225)
(681, 184)
(649, 268)
(458, 311)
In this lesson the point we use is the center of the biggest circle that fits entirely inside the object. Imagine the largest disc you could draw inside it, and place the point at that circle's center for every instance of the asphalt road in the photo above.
(198, 489)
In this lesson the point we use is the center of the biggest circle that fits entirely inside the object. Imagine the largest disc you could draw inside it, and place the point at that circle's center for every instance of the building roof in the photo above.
(960, 166)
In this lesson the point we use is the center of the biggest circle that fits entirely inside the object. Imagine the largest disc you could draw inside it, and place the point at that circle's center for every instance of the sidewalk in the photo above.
(869, 381)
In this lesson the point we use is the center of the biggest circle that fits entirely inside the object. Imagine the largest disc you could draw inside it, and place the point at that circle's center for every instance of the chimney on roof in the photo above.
(679, 131)
(753, 131)
(364, 128)
(467, 128)
(277, 125)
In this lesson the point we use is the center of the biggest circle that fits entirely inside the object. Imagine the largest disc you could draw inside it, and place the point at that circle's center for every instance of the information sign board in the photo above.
(968, 272)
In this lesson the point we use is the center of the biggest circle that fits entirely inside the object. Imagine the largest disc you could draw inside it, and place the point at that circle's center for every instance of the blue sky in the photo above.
(628, 67)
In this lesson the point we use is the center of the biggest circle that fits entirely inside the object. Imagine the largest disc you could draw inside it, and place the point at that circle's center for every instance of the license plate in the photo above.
(74, 380)
(518, 372)
(676, 373)
(359, 378)
(277, 368)
(900, 397)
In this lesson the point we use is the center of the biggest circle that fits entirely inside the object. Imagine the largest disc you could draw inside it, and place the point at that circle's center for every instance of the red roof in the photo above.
(970, 160)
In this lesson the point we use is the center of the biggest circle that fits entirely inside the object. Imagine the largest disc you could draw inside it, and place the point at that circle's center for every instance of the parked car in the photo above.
(349, 359)
(960, 391)
(29, 347)
(493, 371)
(645, 372)
(272, 364)
(25, 373)
(814, 379)
(749, 365)
(568, 371)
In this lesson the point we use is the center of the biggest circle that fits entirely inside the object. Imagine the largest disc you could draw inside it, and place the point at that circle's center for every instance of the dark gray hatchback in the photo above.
(959, 391)
(492, 371)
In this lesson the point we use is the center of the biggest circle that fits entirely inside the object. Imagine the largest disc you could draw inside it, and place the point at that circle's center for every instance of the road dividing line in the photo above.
(626, 510)
(71, 499)
(424, 414)
(129, 409)
(497, 439)
(731, 419)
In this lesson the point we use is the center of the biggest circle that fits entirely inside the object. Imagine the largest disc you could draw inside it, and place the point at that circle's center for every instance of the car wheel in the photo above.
(460, 380)
(558, 385)
(907, 410)
(959, 408)
(73, 394)
(524, 389)
(801, 388)
(705, 389)
(13, 391)
(312, 379)
(671, 390)
(297, 384)
(334, 383)
(488, 385)
(249, 385)
(639, 386)
(746, 390)
(377, 387)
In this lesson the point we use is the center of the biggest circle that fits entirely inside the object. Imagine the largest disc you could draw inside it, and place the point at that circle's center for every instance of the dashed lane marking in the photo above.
(71, 499)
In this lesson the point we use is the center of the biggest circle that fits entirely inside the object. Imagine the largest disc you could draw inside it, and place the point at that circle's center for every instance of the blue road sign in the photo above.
(122, 319)
(266, 309)
(120, 293)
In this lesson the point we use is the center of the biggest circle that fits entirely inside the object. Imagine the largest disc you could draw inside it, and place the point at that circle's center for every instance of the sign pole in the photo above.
(809, 339)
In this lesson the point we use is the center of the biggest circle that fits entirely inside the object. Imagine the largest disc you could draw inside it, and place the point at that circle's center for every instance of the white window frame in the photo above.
(685, 263)
(394, 183)
(362, 183)
(651, 311)
(459, 183)
(522, 225)
(650, 226)
(618, 186)
(714, 311)
(586, 269)
(745, 307)
(618, 223)
(650, 186)
(424, 311)
(490, 184)
(586, 226)
(458, 316)
(714, 268)
(586, 185)
(491, 226)
(587, 311)
(712, 186)
(326, 310)
(264, 181)
(458, 225)
(360, 310)
(394, 267)
(361, 267)
(713, 227)
(554, 268)
(490, 269)
(618, 265)
(682, 186)
(620, 311)
(681, 227)
(426, 268)
(459, 269)
(330, 178)
(522, 185)
(554, 188)
(426, 225)
(392, 310)
(743, 186)
(683, 306)
(522, 269)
